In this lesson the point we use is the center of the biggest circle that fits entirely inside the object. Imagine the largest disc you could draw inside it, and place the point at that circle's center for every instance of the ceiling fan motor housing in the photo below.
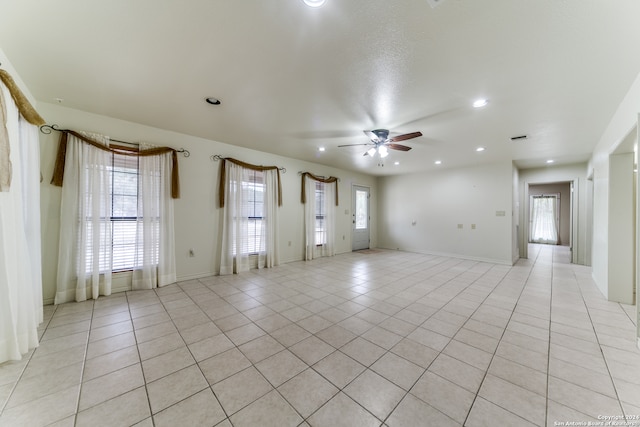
(382, 134)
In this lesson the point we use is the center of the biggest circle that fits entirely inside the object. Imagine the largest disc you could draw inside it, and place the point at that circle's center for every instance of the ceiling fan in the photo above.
(381, 142)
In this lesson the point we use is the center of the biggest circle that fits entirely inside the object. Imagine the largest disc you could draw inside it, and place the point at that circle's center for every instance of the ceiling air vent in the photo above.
(519, 138)
(434, 3)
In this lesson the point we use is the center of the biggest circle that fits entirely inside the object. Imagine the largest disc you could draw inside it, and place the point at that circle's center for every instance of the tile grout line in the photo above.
(450, 338)
(486, 372)
(24, 368)
(84, 362)
(311, 285)
(368, 368)
(135, 337)
(546, 402)
(209, 386)
(615, 389)
(341, 390)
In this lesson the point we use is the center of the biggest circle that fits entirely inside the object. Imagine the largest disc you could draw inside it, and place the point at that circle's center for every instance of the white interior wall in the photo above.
(622, 124)
(196, 212)
(8, 67)
(563, 173)
(515, 217)
(621, 218)
(422, 212)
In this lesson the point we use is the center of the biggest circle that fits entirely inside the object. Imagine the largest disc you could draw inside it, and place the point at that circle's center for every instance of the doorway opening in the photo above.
(545, 219)
(550, 216)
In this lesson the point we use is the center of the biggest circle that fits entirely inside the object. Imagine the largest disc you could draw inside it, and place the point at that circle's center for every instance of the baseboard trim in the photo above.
(449, 255)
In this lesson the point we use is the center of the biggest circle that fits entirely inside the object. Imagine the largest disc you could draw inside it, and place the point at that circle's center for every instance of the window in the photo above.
(544, 219)
(320, 198)
(321, 226)
(253, 210)
(122, 219)
(361, 210)
(249, 196)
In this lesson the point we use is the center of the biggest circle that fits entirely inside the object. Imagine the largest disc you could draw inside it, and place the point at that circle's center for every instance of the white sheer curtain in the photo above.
(270, 257)
(544, 224)
(86, 251)
(20, 259)
(84, 254)
(249, 219)
(319, 218)
(155, 248)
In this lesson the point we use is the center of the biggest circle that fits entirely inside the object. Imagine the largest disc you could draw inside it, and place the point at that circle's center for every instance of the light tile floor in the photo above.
(375, 338)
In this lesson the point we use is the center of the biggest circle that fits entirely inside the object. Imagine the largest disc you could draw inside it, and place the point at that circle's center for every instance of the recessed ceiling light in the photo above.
(480, 103)
(438, 162)
(479, 149)
(314, 3)
(396, 163)
(320, 148)
(213, 101)
(550, 161)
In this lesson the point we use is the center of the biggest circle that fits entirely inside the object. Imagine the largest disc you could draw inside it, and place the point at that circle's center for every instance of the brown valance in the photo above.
(58, 171)
(27, 111)
(24, 106)
(329, 180)
(223, 176)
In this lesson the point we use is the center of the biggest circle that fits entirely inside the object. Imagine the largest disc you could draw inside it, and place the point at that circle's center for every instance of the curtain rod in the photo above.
(319, 176)
(47, 129)
(216, 157)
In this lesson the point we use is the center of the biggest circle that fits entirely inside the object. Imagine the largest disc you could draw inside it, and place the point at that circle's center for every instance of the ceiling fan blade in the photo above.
(372, 136)
(354, 145)
(405, 137)
(397, 147)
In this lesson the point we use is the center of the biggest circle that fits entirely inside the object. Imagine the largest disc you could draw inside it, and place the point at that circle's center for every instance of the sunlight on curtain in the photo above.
(544, 223)
(155, 248)
(116, 215)
(84, 255)
(20, 259)
(249, 219)
(319, 218)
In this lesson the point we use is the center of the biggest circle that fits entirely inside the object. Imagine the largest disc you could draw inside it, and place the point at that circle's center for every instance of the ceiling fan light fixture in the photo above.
(479, 103)
(371, 151)
(382, 150)
(314, 3)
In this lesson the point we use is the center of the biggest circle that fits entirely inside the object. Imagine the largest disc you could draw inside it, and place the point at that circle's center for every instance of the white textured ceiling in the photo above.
(293, 78)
